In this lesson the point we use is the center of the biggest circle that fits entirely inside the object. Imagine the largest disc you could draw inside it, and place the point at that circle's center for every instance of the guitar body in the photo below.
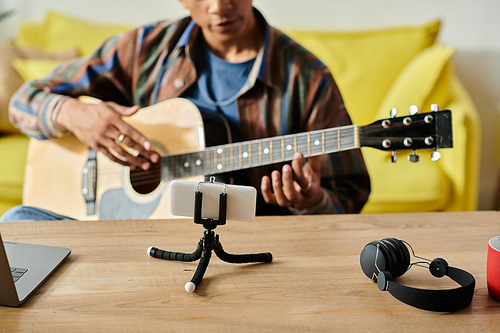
(53, 175)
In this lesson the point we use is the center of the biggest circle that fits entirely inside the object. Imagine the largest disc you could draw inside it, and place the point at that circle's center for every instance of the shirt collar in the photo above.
(260, 68)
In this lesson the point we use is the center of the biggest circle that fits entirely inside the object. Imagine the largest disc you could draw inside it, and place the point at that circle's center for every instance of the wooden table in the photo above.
(315, 283)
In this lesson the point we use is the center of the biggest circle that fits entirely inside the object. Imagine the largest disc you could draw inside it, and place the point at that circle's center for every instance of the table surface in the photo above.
(315, 283)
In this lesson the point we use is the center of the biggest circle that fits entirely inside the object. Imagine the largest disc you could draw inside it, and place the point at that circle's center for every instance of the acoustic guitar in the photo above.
(66, 177)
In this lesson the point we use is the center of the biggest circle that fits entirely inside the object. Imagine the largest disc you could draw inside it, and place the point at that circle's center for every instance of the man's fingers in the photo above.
(129, 136)
(279, 194)
(267, 194)
(288, 184)
(126, 111)
(298, 171)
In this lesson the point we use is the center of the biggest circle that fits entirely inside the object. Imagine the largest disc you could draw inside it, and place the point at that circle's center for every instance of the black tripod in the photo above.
(209, 242)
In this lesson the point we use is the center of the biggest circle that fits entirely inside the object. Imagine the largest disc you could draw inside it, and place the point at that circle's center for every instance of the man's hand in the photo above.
(101, 127)
(298, 186)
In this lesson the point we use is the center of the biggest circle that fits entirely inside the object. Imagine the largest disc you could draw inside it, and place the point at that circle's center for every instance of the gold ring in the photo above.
(121, 137)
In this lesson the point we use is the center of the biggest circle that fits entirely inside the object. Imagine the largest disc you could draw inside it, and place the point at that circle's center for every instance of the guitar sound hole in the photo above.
(146, 181)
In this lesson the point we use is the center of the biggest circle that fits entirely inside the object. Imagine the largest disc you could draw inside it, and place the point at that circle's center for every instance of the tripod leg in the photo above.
(178, 256)
(200, 271)
(241, 258)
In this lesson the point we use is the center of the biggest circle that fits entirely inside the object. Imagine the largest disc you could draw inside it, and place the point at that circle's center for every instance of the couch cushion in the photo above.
(61, 32)
(366, 63)
(427, 185)
(13, 148)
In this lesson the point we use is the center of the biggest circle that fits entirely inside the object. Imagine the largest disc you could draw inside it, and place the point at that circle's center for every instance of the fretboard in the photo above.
(254, 153)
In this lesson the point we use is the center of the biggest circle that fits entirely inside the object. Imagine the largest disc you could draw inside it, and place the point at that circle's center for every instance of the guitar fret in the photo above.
(240, 155)
(206, 165)
(216, 160)
(245, 153)
(289, 147)
(266, 151)
(282, 149)
(302, 144)
(308, 144)
(255, 157)
(198, 162)
(228, 158)
(213, 161)
(187, 165)
(338, 140)
(316, 145)
(260, 152)
(219, 159)
(323, 142)
(175, 166)
(347, 138)
(277, 150)
(236, 161)
(179, 166)
(331, 140)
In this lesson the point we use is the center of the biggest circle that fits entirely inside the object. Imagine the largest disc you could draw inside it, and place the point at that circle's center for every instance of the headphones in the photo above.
(389, 258)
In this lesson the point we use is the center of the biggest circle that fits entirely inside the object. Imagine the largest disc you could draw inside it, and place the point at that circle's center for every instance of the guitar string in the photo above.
(178, 172)
(150, 177)
(347, 144)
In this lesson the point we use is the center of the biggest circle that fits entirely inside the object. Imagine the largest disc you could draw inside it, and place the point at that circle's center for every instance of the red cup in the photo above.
(493, 268)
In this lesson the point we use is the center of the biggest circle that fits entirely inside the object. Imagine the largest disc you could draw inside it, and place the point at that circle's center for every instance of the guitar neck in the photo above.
(254, 153)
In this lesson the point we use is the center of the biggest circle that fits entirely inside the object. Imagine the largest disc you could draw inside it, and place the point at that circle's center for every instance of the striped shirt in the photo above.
(288, 91)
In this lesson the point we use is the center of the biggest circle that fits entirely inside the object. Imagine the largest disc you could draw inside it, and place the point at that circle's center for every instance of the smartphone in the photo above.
(241, 200)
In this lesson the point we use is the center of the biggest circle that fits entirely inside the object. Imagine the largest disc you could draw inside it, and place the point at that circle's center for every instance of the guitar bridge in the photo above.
(89, 181)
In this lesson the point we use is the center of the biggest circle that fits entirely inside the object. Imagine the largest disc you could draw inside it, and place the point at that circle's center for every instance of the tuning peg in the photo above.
(435, 107)
(414, 157)
(394, 158)
(413, 110)
(435, 156)
(394, 112)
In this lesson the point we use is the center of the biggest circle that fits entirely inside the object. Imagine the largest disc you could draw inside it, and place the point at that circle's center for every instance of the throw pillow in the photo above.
(366, 63)
(422, 82)
(10, 80)
(29, 34)
(417, 81)
(61, 32)
(32, 69)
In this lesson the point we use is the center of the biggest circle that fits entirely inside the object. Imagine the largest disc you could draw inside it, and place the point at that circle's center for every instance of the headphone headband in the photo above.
(388, 258)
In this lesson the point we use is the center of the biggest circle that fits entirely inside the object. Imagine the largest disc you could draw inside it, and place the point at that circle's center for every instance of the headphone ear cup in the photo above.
(367, 259)
(401, 254)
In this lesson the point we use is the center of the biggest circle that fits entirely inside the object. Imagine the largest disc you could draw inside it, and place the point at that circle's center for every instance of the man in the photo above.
(236, 69)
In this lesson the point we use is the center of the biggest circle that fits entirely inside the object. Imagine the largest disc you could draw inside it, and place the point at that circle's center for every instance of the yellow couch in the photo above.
(376, 70)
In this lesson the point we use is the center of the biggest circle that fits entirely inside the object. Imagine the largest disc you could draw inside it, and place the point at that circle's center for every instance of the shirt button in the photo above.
(178, 83)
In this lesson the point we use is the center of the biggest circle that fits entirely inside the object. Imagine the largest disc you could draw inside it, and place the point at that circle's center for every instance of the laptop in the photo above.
(24, 267)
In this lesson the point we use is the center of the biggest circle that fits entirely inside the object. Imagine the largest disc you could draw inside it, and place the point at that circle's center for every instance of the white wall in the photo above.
(472, 27)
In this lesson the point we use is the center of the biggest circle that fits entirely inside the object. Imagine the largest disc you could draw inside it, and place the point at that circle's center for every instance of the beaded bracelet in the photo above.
(57, 108)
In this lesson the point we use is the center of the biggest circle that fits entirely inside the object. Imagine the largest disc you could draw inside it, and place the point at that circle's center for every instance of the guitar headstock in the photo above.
(430, 130)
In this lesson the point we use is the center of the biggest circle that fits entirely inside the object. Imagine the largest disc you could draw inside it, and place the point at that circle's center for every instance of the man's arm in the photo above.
(46, 109)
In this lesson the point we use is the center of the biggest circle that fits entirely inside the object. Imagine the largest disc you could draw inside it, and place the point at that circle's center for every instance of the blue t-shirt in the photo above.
(216, 90)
